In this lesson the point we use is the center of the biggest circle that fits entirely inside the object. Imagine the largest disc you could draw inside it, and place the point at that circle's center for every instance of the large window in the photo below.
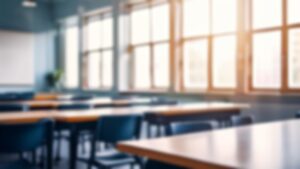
(209, 44)
(149, 43)
(275, 41)
(98, 52)
(266, 44)
(71, 59)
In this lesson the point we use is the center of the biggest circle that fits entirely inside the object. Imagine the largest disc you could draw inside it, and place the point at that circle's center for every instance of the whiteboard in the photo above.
(16, 58)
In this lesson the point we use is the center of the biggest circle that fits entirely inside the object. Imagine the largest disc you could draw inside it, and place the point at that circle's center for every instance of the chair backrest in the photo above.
(75, 106)
(297, 115)
(25, 96)
(112, 129)
(189, 127)
(81, 97)
(17, 138)
(11, 107)
(12, 96)
(242, 120)
(163, 101)
(152, 164)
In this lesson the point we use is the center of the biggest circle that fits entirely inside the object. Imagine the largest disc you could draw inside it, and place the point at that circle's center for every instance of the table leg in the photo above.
(73, 146)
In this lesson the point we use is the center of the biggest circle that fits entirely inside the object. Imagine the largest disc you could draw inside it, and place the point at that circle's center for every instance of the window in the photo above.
(219, 45)
(149, 30)
(293, 35)
(71, 62)
(209, 44)
(267, 60)
(266, 33)
(98, 52)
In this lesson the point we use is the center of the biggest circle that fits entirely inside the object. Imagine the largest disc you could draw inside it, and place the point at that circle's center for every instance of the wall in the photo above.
(39, 21)
(67, 8)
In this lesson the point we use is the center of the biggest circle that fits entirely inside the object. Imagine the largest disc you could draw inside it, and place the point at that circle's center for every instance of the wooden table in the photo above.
(53, 104)
(75, 121)
(52, 96)
(272, 145)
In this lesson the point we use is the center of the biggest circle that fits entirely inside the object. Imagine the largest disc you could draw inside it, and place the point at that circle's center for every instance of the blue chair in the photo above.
(242, 121)
(111, 130)
(60, 135)
(81, 97)
(11, 107)
(163, 101)
(189, 127)
(297, 115)
(77, 106)
(21, 138)
(152, 164)
(24, 96)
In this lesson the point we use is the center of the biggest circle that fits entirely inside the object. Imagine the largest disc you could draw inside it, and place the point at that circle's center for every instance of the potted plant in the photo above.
(54, 79)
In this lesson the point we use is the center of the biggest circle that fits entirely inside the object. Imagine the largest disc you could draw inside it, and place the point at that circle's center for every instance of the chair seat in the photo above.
(21, 164)
(110, 159)
(114, 159)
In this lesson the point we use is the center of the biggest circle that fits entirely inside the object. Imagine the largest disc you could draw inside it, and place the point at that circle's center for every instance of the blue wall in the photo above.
(39, 20)
(66, 8)
(13, 16)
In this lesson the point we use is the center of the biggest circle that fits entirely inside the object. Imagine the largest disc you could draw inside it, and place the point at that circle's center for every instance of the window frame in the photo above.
(151, 44)
(210, 39)
(102, 14)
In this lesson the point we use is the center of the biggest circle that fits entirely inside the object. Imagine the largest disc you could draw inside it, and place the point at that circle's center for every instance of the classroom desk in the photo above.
(263, 146)
(76, 121)
(52, 96)
(53, 104)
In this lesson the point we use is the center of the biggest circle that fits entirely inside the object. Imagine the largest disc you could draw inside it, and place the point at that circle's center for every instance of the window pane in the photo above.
(94, 33)
(94, 64)
(224, 62)
(267, 60)
(294, 58)
(266, 13)
(107, 69)
(224, 16)
(161, 65)
(196, 17)
(140, 26)
(142, 67)
(71, 58)
(293, 11)
(195, 64)
(107, 30)
(160, 22)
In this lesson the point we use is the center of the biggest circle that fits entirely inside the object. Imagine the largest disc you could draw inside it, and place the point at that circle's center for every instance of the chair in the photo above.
(189, 127)
(77, 106)
(152, 164)
(60, 135)
(21, 138)
(111, 130)
(25, 96)
(242, 121)
(11, 107)
(297, 115)
(81, 97)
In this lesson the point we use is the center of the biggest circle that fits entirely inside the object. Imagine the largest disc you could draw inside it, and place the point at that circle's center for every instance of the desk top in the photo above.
(271, 145)
(93, 102)
(94, 114)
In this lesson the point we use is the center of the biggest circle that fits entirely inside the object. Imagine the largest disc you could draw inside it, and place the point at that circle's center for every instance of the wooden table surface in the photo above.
(92, 102)
(264, 146)
(94, 114)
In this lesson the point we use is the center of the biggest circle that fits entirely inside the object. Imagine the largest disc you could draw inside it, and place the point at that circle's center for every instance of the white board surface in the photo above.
(16, 58)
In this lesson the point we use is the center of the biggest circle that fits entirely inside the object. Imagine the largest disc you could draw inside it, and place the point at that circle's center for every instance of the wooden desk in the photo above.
(271, 145)
(52, 96)
(76, 121)
(53, 104)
